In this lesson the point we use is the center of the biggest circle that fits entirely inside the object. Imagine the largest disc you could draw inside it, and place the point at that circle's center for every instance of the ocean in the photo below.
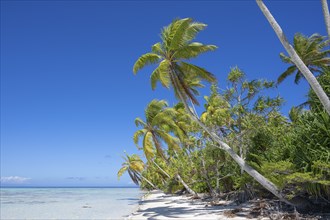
(68, 203)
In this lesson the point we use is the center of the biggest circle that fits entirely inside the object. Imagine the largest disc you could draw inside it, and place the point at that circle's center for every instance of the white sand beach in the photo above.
(157, 205)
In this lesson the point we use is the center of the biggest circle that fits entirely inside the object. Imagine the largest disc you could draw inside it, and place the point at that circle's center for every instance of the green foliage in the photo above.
(311, 139)
(278, 172)
(293, 154)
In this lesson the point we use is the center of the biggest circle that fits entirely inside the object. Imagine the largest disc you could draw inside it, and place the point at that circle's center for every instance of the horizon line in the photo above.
(14, 186)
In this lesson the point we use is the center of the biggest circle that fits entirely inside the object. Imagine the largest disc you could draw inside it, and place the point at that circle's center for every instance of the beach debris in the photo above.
(232, 212)
(219, 203)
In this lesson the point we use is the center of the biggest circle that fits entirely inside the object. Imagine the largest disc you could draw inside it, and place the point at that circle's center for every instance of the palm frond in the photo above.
(148, 146)
(287, 73)
(285, 58)
(198, 71)
(193, 50)
(138, 134)
(312, 53)
(139, 122)
(134, 177)
(122, 171)
(193, 29)
(164, 117)
(178, 32)
(160, 74)
(145, 59)
(137, 165)
(157, 48)
(172, 142)
(298, 77)
(154, 108)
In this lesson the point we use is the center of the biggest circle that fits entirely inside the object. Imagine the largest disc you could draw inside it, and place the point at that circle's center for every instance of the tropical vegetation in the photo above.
(241, 144)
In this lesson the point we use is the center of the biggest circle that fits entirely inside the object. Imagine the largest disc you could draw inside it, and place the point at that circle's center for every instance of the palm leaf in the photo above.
(139, 122)
(121, 171)
(193, 29)
(157, 48)
(298, 77)
(193, 50)
(200, 72)
(171, 141)
(137, 165)
(178, 39)
(287, 73)
(285, 58)
(148, 146)
(134, 178)
(138, 134)
(160, 74)
(146, 59)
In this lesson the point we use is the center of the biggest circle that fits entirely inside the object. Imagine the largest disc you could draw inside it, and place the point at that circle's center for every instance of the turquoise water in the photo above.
(68, 203)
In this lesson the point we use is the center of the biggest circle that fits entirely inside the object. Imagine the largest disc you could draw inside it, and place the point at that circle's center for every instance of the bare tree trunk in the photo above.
(150, 183)
(325, 9)
(163, 171)
(218, 178)
(295, 58)
(185, 185)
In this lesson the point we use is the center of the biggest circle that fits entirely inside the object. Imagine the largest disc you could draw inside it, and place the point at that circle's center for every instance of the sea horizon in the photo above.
(69, 186)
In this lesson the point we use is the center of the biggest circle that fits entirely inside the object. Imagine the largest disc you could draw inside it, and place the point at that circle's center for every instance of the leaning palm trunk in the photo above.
(150, 183)
(326, 15)
(163, 171)
(295, 58)
(185, 185)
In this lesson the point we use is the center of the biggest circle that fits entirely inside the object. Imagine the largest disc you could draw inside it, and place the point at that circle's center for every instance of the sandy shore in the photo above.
(157, 205)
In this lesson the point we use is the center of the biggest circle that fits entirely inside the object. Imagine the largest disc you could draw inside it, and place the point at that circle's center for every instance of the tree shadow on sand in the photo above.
(170, 211)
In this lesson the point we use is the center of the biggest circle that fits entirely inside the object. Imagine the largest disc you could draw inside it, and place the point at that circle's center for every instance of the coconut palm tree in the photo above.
(175, 48)
(155, 129)
(134, 166)
(172, 53)
(312, 53)
(159, 122)
(295, 58)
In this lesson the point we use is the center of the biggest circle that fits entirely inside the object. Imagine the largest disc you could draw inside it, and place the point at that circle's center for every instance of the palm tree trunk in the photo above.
(222, 145)
(185, 185)
(163, 171)
(326, 15)
(217, 190)
(150, 183)
(295, 58)
(158, 146)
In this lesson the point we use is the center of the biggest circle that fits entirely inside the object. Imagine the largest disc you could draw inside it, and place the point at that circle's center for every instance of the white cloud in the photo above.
(14, 179)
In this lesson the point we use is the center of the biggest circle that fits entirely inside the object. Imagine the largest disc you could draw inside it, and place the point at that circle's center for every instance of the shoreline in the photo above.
(158, 205)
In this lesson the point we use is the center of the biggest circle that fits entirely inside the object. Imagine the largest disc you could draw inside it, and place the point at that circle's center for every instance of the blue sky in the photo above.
(68, 94)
